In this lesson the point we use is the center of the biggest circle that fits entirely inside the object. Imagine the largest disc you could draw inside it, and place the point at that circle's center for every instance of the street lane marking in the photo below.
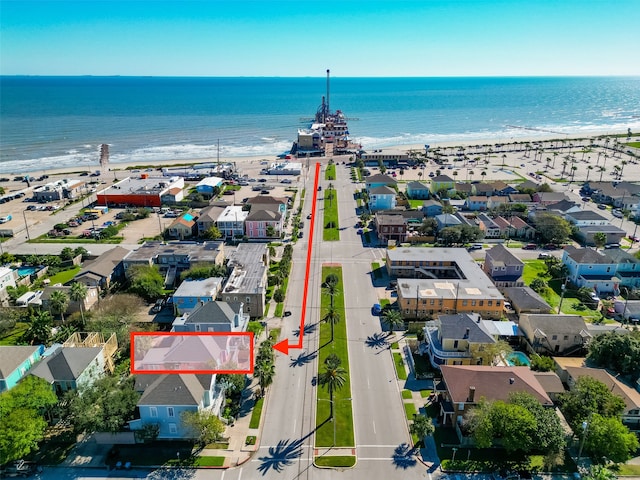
(374, 426)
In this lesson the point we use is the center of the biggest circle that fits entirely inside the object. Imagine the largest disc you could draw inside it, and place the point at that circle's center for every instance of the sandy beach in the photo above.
(250, 164)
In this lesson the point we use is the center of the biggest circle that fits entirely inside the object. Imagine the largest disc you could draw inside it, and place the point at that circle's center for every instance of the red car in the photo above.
(530, 246)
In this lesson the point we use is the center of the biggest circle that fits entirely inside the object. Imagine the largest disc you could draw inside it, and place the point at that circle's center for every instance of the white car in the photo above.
(617, 213)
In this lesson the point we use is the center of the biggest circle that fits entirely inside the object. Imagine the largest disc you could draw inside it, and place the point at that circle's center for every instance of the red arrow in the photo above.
(284, 345)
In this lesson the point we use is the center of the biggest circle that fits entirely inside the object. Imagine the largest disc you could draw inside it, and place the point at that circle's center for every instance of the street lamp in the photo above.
(26, 227)
(453, 457)
(563, 287)
(333, 417)
(585, 426)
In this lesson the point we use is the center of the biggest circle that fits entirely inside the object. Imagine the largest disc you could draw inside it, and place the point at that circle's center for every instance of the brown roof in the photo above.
(174, 191)
(629, 395)
(106, 263)
(550, 382)
(491, 383)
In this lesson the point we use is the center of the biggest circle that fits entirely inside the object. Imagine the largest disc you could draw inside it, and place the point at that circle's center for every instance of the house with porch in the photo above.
(463, 386)
(215, 316)
(431, 208)
(103, 270)
(503, 267)
(193, 293)
(379, 180)
(490, 228)
(382, 198)
(559, 335)
(442, 182)
(604, 271)
(391, 227)
(184, 226)
(417, 191)
(166, 397)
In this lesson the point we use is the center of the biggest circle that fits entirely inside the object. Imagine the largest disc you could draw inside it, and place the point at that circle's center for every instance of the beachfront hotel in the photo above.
(432, 281)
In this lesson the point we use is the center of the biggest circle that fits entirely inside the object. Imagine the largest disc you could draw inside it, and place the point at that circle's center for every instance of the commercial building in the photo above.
(142, 191)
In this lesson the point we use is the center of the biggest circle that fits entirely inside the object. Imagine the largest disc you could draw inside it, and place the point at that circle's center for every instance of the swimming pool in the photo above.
(519, 359)
(24, 271)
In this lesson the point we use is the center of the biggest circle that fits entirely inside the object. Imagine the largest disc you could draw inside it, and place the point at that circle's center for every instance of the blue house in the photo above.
(207, 185)
(600, 271)
(213, 317)
(431, 208)
(379, 180)
(417, 191)
(382, 198)
(166, 397)
(192, 293)
(15, 362)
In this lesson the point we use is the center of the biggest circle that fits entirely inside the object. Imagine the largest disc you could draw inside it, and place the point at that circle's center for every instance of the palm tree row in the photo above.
(265, 368)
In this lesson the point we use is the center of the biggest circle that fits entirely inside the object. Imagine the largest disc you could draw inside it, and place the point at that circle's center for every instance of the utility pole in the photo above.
(563, 287)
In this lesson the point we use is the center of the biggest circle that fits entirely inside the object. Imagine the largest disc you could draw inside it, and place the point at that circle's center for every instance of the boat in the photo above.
(327, 135)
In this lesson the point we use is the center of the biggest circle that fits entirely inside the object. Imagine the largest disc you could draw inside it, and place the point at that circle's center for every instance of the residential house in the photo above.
(70, 368)
(8, 278)
(174, 257)
(564, 207)
(601, 271)
(483, 189)
(551, 384)
(631, 397)
(15, 362)
(448, 220)
(613, 234)
(379, 180)
(417, 191)
(496, 200)
(105, 269)
(464, 386)
(523, 198)
(476, 203)
(90, 299)
(490, 228)
(173, 195)
(183, 227)
(548, 198)
(193, 292)
(391, 227)
(231, 220)
(584, 218)
(441, 280)
(441, 182)
(382, 198)
(526, 300)
(213, 316)
(264, 225)
(554, 334)
(622, 195)
(208, 216)
(502, 189)
(456, 339)
(514, 227)
(528, 185)
(431, 208)
(503, 267)
(464, 189)
(247, 283)
(166, 397)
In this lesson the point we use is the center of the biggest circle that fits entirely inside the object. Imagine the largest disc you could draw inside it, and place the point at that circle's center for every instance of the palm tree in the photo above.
(78, 293)
(265, 370)
(602, 170)
(573, 172)
(59, 302)
(330, 289)
(421, 427)
(589, 168)
(333, 378)
(599, 238)
(333, 317)
(392, 319)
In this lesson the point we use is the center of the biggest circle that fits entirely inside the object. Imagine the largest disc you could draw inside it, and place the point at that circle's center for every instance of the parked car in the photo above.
(309, 217)
(602, 206)
(617, 213)
(475, 246)
(376, 309)
(543, 255)
(610, 246)
(530, 246)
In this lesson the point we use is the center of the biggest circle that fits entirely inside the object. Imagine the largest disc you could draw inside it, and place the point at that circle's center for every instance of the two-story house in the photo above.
(101, 271)
(441, 182)
(231, 220)
(604, 271)
(15, 362)
(503, 267)
(490, 228)
(183, 227)
(8, 278)
(194, 292)
(382, 198)
(464, 385)
(166, 397)
(456, 339)
(214, 316)
(431, 208)
(391, 227)
(583, 218)
(476, 203)
(247, 282)
(379, 180)
(208, 216)
(554, 334)
(418, 191)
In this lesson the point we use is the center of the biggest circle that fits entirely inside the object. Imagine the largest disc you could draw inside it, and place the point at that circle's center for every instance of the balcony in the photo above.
(436, 351)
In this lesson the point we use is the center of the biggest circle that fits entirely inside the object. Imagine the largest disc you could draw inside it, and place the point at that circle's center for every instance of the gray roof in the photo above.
(382, 190)
(12, 357)
(442, 179)
(106, 263)
(262, 214)
(249, 269)
(381, 178)
(601, 228)
(587, 255)
(431, 203)
(526, 299)
(550, 382)
(196, 252)
(586, 215)
(562, 205)
(555, 324)
(214, 312)
(66, 364)
(463, 325)
(176, 389)
(501, 254)
(417, 186)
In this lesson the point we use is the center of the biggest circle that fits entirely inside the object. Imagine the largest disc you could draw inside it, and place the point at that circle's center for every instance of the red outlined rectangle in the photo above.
(191, 352)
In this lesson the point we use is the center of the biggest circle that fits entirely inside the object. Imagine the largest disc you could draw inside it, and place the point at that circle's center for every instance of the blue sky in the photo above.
(294, 38)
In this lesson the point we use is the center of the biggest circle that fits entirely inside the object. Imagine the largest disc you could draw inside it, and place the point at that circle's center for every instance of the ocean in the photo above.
(48, 122)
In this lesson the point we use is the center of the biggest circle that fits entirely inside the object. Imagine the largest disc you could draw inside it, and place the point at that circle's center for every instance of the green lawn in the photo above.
(406, 394)
(417, 204)
(343, 413)
(344, 461)
(425, 393)
(64, 276)
(376, 270)
(402, 372)
(410, 410)
(330, 172)
(331, 234)
(12, 337)
(256, 413)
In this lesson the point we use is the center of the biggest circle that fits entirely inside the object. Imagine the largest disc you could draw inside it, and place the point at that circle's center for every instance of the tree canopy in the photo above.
(147, 282)
(205, 427)
(552, 228)
(620, 353)
(609, 438)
